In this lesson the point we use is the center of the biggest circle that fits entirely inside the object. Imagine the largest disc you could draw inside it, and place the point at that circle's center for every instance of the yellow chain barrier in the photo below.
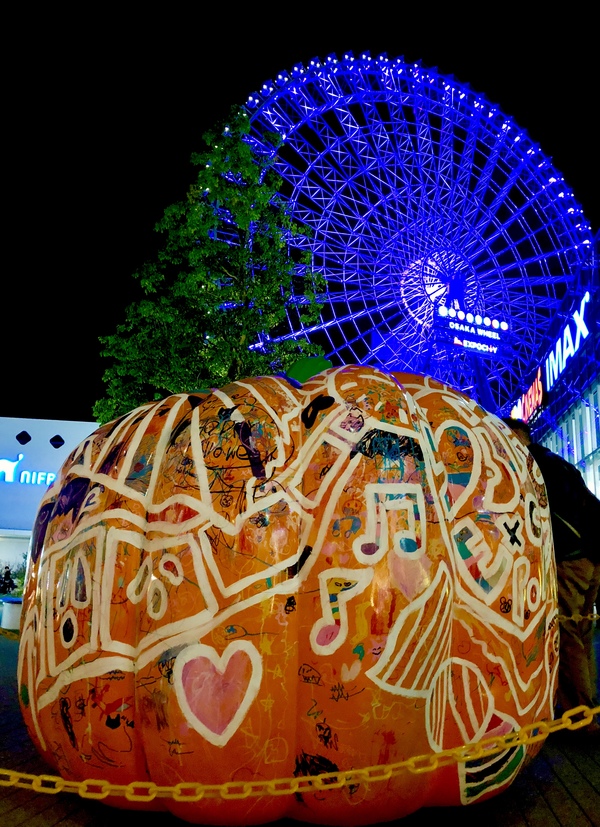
(188, 791)
(577, 617)
(145, 791)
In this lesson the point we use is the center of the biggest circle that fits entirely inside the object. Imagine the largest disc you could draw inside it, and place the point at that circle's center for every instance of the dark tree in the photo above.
(232, 265)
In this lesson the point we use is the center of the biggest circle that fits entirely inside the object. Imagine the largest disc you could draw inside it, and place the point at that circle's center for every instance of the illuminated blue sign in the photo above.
(9, 473)
(8, 468)
(567, 344)
(31, 453)
(472, 331)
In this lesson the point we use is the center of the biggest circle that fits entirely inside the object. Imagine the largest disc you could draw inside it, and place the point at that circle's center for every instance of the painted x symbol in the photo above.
(513, 533)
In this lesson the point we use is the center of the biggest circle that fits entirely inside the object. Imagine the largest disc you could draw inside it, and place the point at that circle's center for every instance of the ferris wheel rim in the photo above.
(514, 202)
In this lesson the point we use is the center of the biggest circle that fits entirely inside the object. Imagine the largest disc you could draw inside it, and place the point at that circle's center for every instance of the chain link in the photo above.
(190, 791)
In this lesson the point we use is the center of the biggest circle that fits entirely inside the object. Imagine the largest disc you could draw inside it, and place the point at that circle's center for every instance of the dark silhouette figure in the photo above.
(575, 515)
(7, 584)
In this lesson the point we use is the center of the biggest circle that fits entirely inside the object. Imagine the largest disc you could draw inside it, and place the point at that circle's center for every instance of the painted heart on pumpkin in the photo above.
(215, 691)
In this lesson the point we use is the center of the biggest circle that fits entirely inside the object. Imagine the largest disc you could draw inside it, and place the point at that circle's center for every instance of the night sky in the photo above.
(102, 115)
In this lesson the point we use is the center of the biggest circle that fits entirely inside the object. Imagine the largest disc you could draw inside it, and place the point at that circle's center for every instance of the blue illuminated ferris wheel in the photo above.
(449, 243)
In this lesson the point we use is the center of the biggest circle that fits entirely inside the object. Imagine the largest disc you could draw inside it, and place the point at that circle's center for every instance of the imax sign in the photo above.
(567, 345)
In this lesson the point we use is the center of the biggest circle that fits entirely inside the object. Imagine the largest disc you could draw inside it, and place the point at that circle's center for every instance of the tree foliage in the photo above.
(231, 267)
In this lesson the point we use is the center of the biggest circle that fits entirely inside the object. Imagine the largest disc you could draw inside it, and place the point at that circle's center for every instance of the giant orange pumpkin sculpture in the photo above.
(274, 580)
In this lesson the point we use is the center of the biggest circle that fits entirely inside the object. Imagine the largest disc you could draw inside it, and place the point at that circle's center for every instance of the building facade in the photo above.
(31, 454)
(562, 403)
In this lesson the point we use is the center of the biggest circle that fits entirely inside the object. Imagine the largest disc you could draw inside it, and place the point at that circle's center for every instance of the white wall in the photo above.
(13, 547)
